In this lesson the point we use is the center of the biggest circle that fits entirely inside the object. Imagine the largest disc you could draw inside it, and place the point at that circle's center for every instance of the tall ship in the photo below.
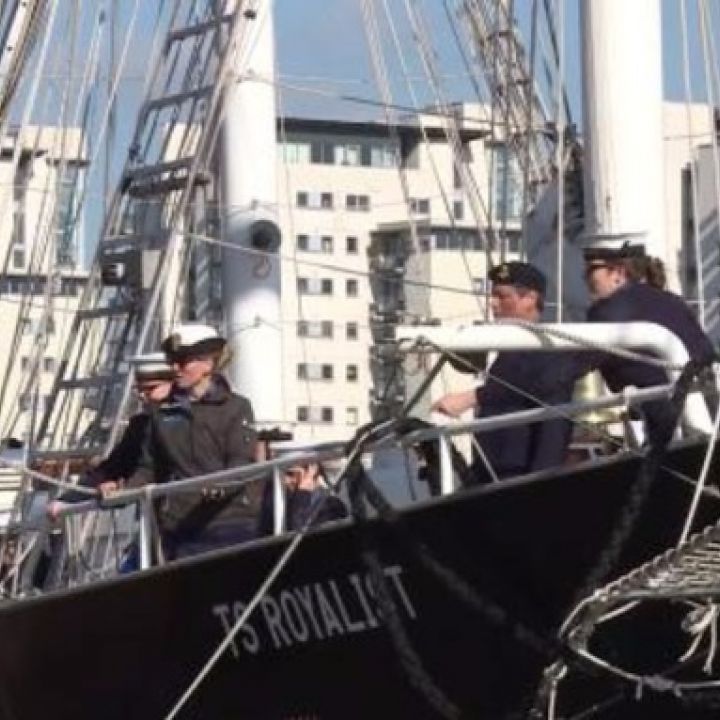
(152, 178)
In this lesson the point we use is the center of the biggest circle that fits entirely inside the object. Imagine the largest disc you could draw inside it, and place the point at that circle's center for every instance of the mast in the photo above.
(251, 277)
(622, 108)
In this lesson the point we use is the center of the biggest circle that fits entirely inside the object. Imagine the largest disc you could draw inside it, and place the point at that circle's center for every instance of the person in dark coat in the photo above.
(307, 498)
(619, 294)
(202, 427)
(153, 383)
(518, 380)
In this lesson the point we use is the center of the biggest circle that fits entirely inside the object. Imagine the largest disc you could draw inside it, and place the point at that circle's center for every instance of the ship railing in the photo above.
(96, 559)
(642, 341)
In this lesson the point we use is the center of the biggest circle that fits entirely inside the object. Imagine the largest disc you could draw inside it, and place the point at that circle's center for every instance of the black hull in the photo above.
(315, 649)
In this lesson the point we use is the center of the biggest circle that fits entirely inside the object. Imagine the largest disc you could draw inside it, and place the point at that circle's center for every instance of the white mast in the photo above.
(251, 278)
(622, 104)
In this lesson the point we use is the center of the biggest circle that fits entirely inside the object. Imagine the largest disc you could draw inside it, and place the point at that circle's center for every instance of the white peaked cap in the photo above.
(193, 337)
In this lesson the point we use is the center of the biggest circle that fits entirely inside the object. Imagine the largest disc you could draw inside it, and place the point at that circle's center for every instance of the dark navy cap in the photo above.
(609, 252)
(519, 274)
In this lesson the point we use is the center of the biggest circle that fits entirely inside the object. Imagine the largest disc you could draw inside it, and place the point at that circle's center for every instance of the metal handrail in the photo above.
(240, 476)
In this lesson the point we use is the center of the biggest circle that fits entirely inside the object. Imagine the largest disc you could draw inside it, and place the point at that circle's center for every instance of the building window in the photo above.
(357, 203)
(348, 154)
(351, 331)
(351, 245)
(351, 416)
(18, 258)
(315, 371)
(351, 287)
(296, 152)
(384, 155)
(24, 403)
(315, 328)
(314, 286)
(25, 362)
(306, 414)
(314, 200)
(49, 364)
(505, 184)
(315, 243)
(419, 206)
(322, 153)
(458, 210)
(351, 373)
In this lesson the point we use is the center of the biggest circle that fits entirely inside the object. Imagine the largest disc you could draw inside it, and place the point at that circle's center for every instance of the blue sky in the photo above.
(324, 38)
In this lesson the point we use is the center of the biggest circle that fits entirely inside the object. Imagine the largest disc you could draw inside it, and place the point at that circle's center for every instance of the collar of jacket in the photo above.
(216, 394)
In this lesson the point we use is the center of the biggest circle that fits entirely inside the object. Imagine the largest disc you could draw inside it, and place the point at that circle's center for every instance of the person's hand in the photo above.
(108, 487)
(455, 404)
(53, 510)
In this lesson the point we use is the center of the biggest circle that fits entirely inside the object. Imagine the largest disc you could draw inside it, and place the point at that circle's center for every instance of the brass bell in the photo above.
(591, 387)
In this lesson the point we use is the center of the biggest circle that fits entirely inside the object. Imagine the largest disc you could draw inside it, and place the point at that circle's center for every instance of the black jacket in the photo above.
(121, 463)
(187, 438)
(299, 505)
(521, 381)
(638, 302)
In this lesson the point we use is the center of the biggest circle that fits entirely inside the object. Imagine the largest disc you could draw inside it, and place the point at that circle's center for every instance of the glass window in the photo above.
(505, 184)
(351, 245)
(458, 210)
(294, 152)
(327, 414)
(18, 260)
(351, 287)
(303, 414)
(357, 203)
(49, 364)
(302, 242)
(419, 206)
(351, 331)
(326, 201)
(351, 416)
(301, 199)
(351, 373)
(314, 286)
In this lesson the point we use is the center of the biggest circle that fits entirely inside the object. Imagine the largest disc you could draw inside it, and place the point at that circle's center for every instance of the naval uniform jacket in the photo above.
(521, 380)
(187, 438)
(641, 302)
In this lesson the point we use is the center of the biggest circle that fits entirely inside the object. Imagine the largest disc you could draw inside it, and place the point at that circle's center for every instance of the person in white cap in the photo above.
(153, 382)
(201, 428)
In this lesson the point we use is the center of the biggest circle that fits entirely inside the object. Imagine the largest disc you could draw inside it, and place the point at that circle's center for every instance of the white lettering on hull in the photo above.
(310, 613)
